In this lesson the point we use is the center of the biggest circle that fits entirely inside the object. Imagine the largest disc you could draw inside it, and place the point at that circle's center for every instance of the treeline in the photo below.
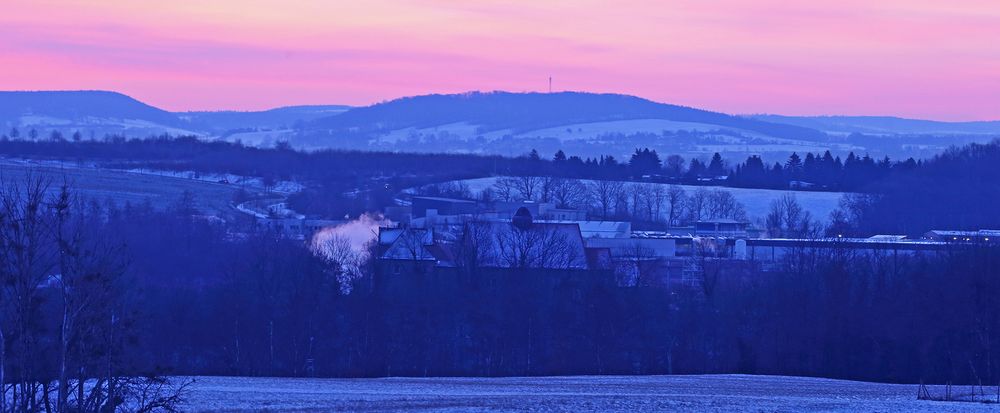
(818, 172)
(821, 172)
(349, 183)
(646, 205)
(337, 183)
(958, 189)
(163, 292)
(229, 299)
(68, 309)
(834, 313)
(189, 153)
(362, 169)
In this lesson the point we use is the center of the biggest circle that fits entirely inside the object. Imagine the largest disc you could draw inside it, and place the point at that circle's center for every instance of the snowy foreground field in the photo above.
(715, 393)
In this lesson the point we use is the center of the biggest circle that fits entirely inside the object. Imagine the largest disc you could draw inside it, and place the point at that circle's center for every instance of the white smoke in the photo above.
(347, 245)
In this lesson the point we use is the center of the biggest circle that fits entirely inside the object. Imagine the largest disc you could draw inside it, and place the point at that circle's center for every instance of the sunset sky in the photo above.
(914, 58)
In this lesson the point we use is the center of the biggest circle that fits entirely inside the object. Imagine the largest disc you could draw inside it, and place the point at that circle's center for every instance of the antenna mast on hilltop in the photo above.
(550, 84)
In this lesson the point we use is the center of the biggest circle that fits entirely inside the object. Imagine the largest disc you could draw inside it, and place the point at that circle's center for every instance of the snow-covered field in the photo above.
(592, 130)
(119, 186)
(757, 202)
(133, 127)
(261, 138)
(247, 182)
(714, 393)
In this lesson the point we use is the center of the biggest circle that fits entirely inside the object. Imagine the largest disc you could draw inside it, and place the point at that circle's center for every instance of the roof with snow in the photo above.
(962, 235)
(443, 199)
(599, 229)
(411, 244)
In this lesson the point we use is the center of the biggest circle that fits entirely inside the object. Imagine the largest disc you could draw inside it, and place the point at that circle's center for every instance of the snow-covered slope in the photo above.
(756, 202)
(96, 113)
(271, 119)
(584, 130)
(583, 394)
(885, 125)
(591, 125)
(489, 114)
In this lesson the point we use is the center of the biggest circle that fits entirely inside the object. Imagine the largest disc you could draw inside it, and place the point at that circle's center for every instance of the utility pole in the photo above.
(550, 84)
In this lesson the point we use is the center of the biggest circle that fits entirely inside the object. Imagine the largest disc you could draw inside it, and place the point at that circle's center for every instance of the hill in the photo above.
(278, 118)
(99, 111)
(502, 123)
(102, 112)
(93, 183)
(520, 113)
(884, 125)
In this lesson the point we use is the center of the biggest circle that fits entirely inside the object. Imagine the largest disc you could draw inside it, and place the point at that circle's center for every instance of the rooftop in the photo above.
(442, 199)
(599, 229)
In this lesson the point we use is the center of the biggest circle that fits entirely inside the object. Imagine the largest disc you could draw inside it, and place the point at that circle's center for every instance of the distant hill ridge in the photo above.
(113, 112)
(286, 116)
(521, 112)
(106, 111)
(81, 104)
(883, 124)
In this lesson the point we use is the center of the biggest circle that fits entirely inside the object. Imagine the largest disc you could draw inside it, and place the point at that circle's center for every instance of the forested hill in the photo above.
(885, 125)
(73, 105)
(521, 112)
(97, 113)
(959, 189)
(287, 116)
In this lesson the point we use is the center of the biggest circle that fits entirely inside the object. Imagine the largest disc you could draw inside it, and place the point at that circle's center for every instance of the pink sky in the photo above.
(915, 58)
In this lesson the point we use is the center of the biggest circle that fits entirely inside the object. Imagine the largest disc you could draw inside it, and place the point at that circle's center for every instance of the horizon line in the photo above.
(351, 106)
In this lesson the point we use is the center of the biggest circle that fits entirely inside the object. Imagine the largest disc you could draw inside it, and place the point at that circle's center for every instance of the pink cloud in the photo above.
(910, 58)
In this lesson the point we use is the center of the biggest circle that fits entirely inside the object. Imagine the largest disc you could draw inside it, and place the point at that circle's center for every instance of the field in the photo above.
(124, 186)
(757, 202)
(716, 393)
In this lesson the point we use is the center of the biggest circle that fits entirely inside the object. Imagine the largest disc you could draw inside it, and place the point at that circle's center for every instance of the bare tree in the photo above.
(674, 165)
(571, 193)
(787, 218)
(635, 264)
(28, 256)
(851, 212)
(705, 263)
(3, 363)
(605, 195)
(622, 206)
(697, 205)
(547, 186)
(344, 261)
(53, 247)
(676, 199)
(635, 199)
(722, 204)
(534, 246)
(89, 268)
(654, 196)
(451, 189)
(528, 187)
(487, 195)
(514, 188)
(475, 246)
(657, 196)
(505, 189)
